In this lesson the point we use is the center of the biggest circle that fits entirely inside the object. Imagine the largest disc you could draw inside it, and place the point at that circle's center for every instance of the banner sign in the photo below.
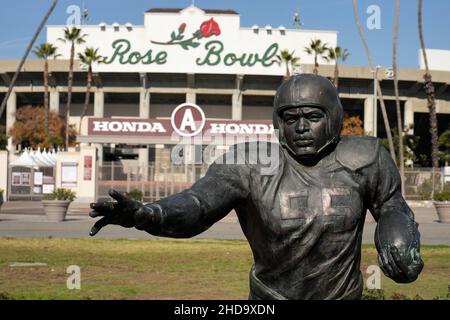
(87, 168)
(163, 127)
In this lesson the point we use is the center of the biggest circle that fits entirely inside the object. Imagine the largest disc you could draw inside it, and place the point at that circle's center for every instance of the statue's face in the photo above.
(305, 130)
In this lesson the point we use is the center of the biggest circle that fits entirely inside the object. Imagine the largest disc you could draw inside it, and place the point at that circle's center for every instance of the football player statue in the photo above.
(304, 222)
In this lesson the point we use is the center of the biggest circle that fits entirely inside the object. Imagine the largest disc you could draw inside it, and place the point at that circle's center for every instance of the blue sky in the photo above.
(20, 18)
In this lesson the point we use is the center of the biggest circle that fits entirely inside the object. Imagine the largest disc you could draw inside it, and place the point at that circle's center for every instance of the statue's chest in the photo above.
(331, 202)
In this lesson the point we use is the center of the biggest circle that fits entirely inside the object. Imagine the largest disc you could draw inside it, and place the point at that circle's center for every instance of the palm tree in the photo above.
(89, 57)
(429, 89)
(397, 100)
(317, 48)
(287, 58)
(46, 51)
(336, 54)
(72, 36)
(380, 94)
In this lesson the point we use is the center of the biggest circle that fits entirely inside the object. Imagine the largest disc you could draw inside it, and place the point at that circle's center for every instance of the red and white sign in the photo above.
(87, 168)
(163, 128)
(188, 120)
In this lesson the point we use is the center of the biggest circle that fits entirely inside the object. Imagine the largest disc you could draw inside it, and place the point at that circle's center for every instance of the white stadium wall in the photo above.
(437, 59)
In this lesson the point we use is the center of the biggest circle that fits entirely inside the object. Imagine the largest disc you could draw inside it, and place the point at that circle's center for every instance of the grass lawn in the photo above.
(166, 269)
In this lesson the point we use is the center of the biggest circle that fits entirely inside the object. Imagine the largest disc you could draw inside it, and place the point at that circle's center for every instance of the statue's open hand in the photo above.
(402, 266)
(125, 212)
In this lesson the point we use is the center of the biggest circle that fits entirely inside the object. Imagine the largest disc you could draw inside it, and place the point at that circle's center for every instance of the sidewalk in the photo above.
(27, 219)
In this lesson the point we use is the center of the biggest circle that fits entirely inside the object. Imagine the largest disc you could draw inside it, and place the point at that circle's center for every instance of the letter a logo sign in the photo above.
(188, 120)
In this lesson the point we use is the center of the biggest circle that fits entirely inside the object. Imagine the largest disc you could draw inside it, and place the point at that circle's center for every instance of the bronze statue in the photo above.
(304, 222)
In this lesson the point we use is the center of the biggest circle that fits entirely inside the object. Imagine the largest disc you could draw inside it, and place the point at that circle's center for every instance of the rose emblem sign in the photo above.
(207, 29)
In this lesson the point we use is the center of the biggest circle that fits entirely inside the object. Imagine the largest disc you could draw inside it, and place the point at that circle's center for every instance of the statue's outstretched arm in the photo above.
(182, 215)
(194, 210)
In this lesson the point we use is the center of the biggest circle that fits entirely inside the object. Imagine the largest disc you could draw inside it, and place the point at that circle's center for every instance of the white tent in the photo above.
(35, 159)
(41, 160)
(51, 156)
(25, 160)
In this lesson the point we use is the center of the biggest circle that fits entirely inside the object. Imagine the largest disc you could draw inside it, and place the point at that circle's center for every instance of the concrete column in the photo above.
(409, 116)
(236, 108)
(54, 101)
(4, 173)
(191, 97)
(99, 147)
(99, 103)
(144, 104)
(11, 106)
(143, 162)
(370, 117)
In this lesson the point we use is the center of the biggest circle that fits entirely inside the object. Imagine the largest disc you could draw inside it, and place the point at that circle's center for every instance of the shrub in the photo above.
(442, 196)
(374, 294)
(135, 194)
(1, 195)
(352, 126)
(61, 194)
(6, 296)
(399, 296)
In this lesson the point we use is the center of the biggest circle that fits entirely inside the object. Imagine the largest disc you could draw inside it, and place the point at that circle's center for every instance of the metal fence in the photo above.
(159, 180)
(155, 180)
(419, 183)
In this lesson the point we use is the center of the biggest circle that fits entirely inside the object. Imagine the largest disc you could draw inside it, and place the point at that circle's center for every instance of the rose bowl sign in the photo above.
(193, 40)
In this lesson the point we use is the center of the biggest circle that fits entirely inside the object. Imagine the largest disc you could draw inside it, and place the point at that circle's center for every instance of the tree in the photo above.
(287, 58)
(400, 149)
(380, 94)
(444, 146)
(72, 36)
(89, 57)
(336, 54)
(46, 51)
(409, 143)
(29, 128)
(3, 138)
(316, 48)
(429, 90)
(352, 126)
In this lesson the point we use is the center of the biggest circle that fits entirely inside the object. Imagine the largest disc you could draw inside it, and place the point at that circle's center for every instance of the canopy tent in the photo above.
(41, 160)
(25, 160)
(35, 159)
(50, 157)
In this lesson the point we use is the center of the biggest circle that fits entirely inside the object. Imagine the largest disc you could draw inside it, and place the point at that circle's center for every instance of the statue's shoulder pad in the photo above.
(357, 152)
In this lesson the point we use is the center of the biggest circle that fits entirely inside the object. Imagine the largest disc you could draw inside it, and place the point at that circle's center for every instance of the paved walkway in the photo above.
(27, 219)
